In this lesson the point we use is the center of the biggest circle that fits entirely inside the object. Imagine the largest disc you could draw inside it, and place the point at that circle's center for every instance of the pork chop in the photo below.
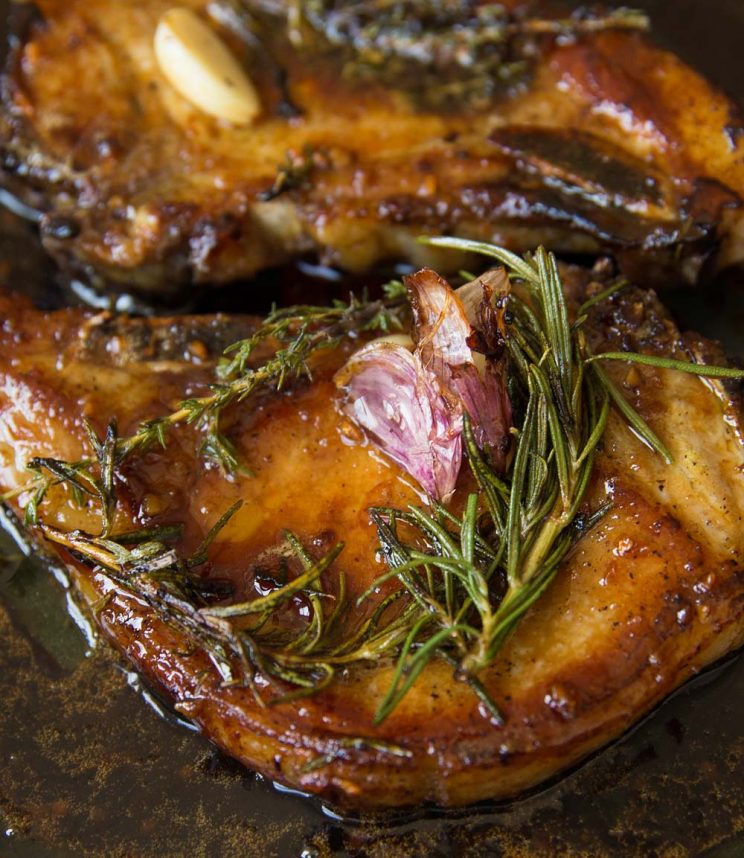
(646, 598)
(373, 129)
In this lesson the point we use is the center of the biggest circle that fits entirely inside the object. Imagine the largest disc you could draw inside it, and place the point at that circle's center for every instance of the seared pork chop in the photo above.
(652, 593)
(373, 128)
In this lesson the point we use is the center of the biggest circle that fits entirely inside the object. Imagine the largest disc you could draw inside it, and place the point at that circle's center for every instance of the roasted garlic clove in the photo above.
(199, 65)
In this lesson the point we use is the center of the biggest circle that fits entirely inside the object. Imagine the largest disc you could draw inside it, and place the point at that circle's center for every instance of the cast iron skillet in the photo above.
(88, 768)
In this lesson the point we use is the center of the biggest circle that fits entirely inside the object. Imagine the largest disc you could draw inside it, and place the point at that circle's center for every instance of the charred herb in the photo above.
(342, 748)
(294, 172)
(446, 51)
(145, 565)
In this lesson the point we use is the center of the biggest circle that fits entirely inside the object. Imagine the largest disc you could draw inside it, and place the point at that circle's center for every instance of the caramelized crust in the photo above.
(609, 144)
(650, 596)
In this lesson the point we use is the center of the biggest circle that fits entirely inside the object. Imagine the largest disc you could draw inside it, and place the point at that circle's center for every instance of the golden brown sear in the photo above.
(647, 598)
(371, 131)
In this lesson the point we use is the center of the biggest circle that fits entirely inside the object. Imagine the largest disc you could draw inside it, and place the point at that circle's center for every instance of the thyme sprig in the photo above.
(295, 334)
(86, 478)
(292, 337)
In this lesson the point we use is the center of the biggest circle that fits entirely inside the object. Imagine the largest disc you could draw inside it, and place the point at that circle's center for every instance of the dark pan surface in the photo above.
(88, 768)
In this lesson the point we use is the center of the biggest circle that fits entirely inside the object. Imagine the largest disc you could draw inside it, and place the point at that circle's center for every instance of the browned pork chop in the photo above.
(645, 599)
(596, 142)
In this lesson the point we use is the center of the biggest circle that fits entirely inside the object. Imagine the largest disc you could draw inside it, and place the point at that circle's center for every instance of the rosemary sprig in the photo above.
(469, 602)
(527, 521)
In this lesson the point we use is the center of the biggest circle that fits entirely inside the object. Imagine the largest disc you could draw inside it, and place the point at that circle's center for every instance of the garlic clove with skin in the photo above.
(443, 330)
(411, 404)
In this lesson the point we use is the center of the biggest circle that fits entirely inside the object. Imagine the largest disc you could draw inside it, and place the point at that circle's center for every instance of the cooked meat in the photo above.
(648, 597)
(368, 136)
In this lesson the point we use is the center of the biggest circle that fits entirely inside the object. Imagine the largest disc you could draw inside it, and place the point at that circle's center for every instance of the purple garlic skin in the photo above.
(411, 404)
(404, 411)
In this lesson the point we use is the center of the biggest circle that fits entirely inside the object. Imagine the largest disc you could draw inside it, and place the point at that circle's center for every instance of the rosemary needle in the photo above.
(669, 363)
